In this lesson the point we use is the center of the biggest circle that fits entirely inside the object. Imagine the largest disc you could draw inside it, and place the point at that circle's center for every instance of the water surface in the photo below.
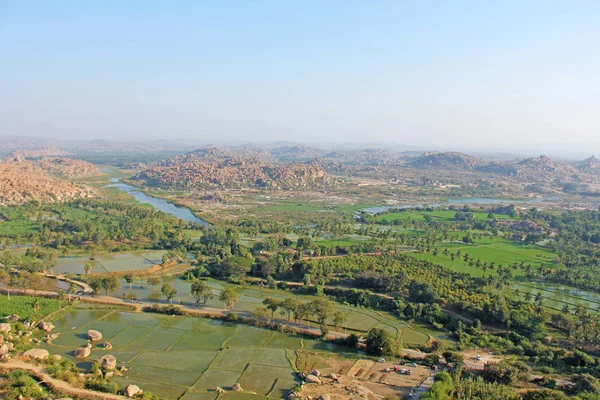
(159, 204)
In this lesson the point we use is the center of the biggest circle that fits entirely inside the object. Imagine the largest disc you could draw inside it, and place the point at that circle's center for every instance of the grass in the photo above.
(154, 348)
(496, 250)
(439, 215)
(23, 306)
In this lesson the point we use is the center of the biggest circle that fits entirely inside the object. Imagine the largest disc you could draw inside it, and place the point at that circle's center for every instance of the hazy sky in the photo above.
(440, 73)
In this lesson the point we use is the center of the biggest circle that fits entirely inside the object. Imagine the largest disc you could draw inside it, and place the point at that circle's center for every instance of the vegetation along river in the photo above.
(159, 204)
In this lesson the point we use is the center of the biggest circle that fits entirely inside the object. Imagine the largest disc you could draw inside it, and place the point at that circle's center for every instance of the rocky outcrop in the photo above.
(132, 390)
(231, 170)
(21, 181)
(4, 349)
(46, 326)
(37, 354)
(312, 379)
(108, 362)
(67, 168)
(237, 388)
(107, 346)
(448, 160)
(94, 336)
(5, 328)
(83, 352)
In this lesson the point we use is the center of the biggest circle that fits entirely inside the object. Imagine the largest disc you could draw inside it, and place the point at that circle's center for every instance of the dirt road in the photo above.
(57, 385)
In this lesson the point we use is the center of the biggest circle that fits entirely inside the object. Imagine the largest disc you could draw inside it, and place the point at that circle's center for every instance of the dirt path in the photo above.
(57, 385)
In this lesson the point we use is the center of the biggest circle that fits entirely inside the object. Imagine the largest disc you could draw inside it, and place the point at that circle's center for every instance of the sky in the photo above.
(455, 74)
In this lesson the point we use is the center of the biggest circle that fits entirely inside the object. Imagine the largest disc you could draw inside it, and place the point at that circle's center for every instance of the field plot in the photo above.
(497, 251)
(439, 215)
(110, 262)
(557, 296)
(359, 320)
(23, 306)
(184, 356)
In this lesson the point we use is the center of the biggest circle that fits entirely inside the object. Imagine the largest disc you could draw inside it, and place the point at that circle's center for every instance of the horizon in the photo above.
(465, 77)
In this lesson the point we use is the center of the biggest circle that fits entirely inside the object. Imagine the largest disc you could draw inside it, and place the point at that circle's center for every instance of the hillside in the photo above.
(67, 168)
(44, 151)
(448, 160)
(590, 165)
(213, 167)
(21, 181)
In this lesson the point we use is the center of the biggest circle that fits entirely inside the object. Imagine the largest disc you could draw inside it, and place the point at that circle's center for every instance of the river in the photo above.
(159, 204)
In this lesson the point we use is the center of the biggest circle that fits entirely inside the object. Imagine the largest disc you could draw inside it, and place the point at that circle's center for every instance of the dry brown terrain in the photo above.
(20, 181)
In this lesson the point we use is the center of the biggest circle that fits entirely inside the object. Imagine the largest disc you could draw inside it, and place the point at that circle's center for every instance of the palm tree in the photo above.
(565, 309)
(71, 290)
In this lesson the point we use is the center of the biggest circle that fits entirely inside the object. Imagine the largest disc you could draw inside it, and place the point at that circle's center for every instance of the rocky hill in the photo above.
(448, 160)
(589, 165)
(544, 168)
(21, 181)
(67, 168)
(44, 151)
(212, 167)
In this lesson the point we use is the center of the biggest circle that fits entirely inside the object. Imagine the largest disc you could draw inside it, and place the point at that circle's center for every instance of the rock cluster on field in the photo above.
(94, 336)
(132, 390)
(108, 362)
(5, 327)
(37, 354)
(46, 326)
(83, 352)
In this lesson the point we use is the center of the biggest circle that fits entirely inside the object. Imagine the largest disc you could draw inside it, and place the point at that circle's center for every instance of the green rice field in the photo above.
(438, 215)
(110, 262)
(556, 296)
(490, 250)
(360, 320)
(184, 356)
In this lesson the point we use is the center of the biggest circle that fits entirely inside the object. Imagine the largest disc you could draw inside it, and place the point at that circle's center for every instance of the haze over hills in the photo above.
(9, 143)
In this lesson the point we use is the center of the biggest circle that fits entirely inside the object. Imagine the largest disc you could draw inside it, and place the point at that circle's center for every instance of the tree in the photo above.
(260, 315)
(441, 388)
(89, 266)
(201, 291)
(95, 285)
(339, 319)
(110, 284)
(168, 292)
(34, 282)
(289, 306)
(322, 309)
(72, 289)
(235, 266)
(304, 311)
(502, 373)
(544, 394)
(229, 296)
(4, 279)
(154, 281)
(379, 341)
(129, 278)
(272, 305)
